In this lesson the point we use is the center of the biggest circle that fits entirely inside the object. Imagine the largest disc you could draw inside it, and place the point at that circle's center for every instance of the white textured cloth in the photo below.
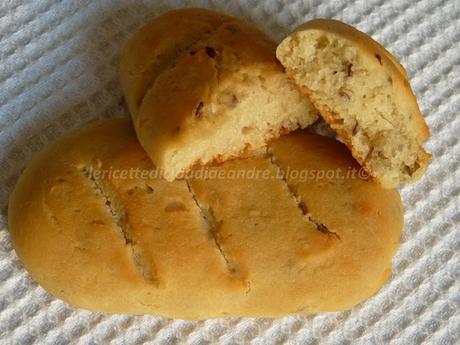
(58, 70)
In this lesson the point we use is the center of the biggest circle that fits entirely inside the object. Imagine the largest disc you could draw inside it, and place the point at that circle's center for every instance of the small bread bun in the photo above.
(363, 92)
(262, 236)
(202, 86)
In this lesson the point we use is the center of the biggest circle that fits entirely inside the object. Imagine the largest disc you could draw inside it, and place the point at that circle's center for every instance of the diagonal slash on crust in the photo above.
(119, 218)
(168, 60)
(212, 226)
(298, 201)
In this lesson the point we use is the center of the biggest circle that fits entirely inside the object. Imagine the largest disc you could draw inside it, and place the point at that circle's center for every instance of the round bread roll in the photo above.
(363, 92)
(202, 86)
(96, 227)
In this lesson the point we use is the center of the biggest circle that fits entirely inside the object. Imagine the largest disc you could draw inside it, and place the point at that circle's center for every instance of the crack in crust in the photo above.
(212, 226)
(168, 60)
(298, 201)
(119, 217)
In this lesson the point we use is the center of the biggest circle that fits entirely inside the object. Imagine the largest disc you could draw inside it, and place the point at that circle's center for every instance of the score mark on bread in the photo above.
(211, 226)
(256, 242)
(118, 214)
(296, 198)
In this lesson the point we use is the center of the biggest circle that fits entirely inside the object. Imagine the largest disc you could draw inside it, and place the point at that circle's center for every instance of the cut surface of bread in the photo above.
(94, 226)
(202, 86)
(363, 92)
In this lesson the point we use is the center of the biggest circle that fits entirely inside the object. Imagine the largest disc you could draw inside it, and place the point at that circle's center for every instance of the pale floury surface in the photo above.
(59, 70)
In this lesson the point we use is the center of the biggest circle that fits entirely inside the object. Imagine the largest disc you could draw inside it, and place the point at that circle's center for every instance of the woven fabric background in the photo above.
(58, 71)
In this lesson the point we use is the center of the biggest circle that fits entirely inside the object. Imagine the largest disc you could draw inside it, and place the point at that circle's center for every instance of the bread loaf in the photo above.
(202, 86)
(363, 92)
(269, 244)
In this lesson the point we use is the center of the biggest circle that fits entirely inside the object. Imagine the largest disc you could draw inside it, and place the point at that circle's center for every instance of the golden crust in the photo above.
(158, 44)
(202, 248)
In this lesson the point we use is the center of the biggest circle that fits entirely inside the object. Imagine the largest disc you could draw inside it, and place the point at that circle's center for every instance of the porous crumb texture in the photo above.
(363, 94)
(202, 86)
(59, 70)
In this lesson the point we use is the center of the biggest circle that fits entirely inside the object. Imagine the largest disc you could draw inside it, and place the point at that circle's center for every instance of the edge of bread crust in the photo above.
(388, 173)
(367, 43)
(345, 136)
(67, 237)
(212, 49)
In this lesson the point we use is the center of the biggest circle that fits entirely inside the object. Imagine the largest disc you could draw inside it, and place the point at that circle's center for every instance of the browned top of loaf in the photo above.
(174, 66)
(202, 248)
(190, 35)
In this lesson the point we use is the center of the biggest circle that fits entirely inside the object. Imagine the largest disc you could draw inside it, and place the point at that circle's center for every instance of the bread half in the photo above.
(363, 92)
(202, 86)
(95, 226)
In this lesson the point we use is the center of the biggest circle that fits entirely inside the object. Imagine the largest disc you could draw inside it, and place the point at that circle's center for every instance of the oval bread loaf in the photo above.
(95, 227)
(363, 92)
(202, 86)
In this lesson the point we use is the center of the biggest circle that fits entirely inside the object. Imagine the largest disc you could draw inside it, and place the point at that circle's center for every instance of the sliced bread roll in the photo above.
(95, 226)
(202, 86)
(363, 92)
